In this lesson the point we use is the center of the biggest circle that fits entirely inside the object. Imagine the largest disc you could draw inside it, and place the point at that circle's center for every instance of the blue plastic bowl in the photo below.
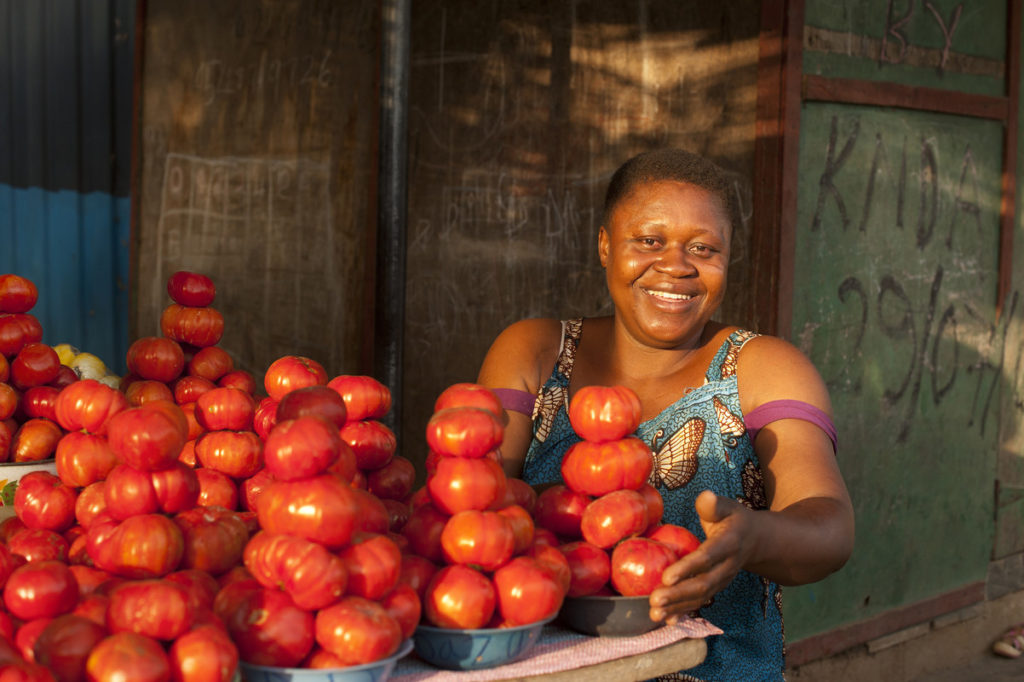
(378, 671)
(475, 649)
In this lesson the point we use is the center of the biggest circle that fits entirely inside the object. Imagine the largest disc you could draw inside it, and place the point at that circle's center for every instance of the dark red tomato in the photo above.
(544, 536)
(364, 396)
(147, 437)
(140, 547)
(41, 500)
(637, 565)
(8, 528)
(461, 483)
(5, 369)
(235, 585)
(322, 509)
(404, 605)
(93, 606)
(560, 510)
(35, 364)
(478, 538)
(91, 503)
(655, 504)
(589, 565)
(191, 288)
(214, 539)
(89, 578)
(596, 468)
(39, 544)
(40, 401)
(238, 454)
(470, 395)
(199, 327)
(17, 294)
(371, 515)
(157, 358)
(216, 489)
(312, 576)
(6, 436)
(521, 523)
(40, 589)
(292, 372)
(610, 518)
(527, 592)
(8, 401)
(31, 326)
(128, 656)
(188, 389)
(88, 405)
(464, 432)
(374, 563)
(302, 447)
(552, 559)
(253, 487)
(373, 443)
(423, 531)
(64, 645)
(398, 514)
(129, 491)
(201, 587)
(518, 491)
(176, 488)
(416, 572)
(269, 629)
(459, 597)
(604, 413)
(35, 440)
(358, 631)
(194, 428)
(393, 481)
(679, 539)
(239, 379)
(313, 401)
(211, 363)
(265, 417)
(204, 654)
(26, 635)
(145, 390)
(155, 608)
(225, 409)
(65, 377)
(12, 335)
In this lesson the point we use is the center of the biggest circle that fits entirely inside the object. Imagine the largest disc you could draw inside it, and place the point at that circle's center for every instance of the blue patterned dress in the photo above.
(700, 443)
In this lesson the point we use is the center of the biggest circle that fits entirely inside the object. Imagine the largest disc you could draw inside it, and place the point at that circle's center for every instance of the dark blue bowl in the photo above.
(378, 671)
(475, 649)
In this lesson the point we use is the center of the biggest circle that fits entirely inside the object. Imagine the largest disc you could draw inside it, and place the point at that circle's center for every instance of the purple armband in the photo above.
(515, 400)
(772, 411)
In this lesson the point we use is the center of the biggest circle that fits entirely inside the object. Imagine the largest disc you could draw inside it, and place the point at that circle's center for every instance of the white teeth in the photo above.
(668, 296)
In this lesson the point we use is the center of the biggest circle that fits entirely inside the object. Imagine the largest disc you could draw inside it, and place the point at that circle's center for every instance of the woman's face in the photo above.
(665, 251)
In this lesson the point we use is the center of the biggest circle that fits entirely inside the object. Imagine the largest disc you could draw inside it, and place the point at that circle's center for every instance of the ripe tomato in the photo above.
(322, 509)
(552, 559)
(128, 656)
(637, 565)
(214, 539)
(238, 454)
(372, 441)
(41, 500)
(225, 409)
(518, 491)
(253, 487)
(459, 597)
(521, 523)
(35, 364)
(423, 531)
(157, 358)
(604, 413)
(142, 391)
(6, 435)
(38, 544)
(358, 631)
(216, 489)
(88, 405)
(394, 480)
(17, 294)
(655, 505)
(240, 379)
(203, 654)
(40, 589)
(292, 372)
(143, 546)
(211, 363)
(461, 483)
(470, 395)
(64, 645)
(91, 503)
(464, 431)
(39, 401)
(194, 429)
(129, 491)
(265, 417)
(176, 488)
(187, 389)
(374, 563)
(597, 468)
(364, 396)
(155, 608)
(416, 572)
(65, 377)
(35, 440)
(403, 604)
(197, 326)
(313, 401)
(83, 458)
(191, 288)
(679, 539)
(8, 401)
(479, 538)
(148, 437)
(302, 448)
(269, 629)
(5, 369)
(527, 592)
(612, 517)
(560, 510)
(311, 575)
(589, 565)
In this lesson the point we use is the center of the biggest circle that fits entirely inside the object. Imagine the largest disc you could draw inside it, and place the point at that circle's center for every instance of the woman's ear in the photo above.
(602, 246)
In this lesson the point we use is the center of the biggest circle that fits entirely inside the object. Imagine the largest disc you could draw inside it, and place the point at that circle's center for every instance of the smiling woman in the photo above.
(740, 423)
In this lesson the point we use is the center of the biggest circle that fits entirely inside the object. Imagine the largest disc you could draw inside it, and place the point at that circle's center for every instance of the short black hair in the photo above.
(676, 165)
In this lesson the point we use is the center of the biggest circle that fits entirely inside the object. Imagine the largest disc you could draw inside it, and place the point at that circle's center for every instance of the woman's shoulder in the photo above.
(522, 353)
(771, 368)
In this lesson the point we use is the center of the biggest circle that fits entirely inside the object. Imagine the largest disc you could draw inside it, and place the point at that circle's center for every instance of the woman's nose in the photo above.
(676, 261)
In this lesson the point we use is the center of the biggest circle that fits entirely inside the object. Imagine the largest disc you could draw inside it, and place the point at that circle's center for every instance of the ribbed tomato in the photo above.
(597, 468)
(35, 440)
(469, 395)
(637, 565)
(423, 531)
(238, 454)
(604, 413)
(589, 566)
(373, 443)
(40, 589)
(314, 577)
(213, 538)
(143, 546)
(157, 358)
(464, 431)
(155, 608)
(479, 538)
(461, 483)
(148, 437)
(128, 656)
(269, 629)
(191, 288)
(610, 518)
(679, 539)
(322, 509)
(17, 294)
(291, 372)
(87, 405)
(313, 401)
(42, 500)
(374, 563)
(394, 480)
(560, 510)
(302, 448)
(527, 592)
(358, 631)
(34, 365)
(211, 362)
(459, 597)
(197, 326)
(203, 654)
(225, 409)
(364, 396)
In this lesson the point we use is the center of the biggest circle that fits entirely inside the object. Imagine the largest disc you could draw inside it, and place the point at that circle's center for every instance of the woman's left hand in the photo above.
(693, 580)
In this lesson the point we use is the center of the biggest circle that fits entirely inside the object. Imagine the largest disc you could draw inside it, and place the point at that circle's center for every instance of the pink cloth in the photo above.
(516, 400)
(775, 410)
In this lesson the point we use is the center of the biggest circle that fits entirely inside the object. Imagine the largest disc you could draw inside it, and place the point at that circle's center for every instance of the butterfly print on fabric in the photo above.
(754, 496)
(731, 426)
(676, 460)
(545, 409)
(566, 359)
(733, 354)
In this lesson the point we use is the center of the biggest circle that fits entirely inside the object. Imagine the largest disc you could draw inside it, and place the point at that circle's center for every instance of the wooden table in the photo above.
(681, 655)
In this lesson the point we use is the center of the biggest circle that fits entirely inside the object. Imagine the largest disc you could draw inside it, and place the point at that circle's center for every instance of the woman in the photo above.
(740, 423)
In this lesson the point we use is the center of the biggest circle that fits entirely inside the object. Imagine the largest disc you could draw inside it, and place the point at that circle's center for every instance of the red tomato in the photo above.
(394, 480)
(17, 294)
(41, 500)
(302, 448)
(35, 440)
(128, 492)
(188, 389)
(83, 458)
(518, 491)
(552, 559)
(637, 565)
(225, 409)
(589, 565)
(216, 489)
(40, 589)
(147, 437)
(461, 483)
(269, 629)
(201, 587)
(313, 401)
(322, 509)
(358, 631)
(142, 391)
(521, 523)
(88, 405)
(8, 401)
(459, 597)
(156, 358)
(64, 645)
(240, 379)
(416, 572)
(204, 654)
(65, 377)
(194, 429)
(374, 564)
(6, 435)
(88, 578)
(679, 539)
(464, 432)
(155, 608)
(527, 592)
(35, 364)
(470, 395)
(312, 576)
(479, 538)
(238, 454)
(39, 401)
(597, 468)
(292, 372)
(8, 528)
(140, 547)
(398, 515)
(8, 562)
(191, 288)
(253, 487)
(373, 443)
(91, 503)
(39, 544)
(128, 656)
(543, 536)
(423, 531)
(176, 488)
(655, 505)
(371, 514)
(265, 417)
(560, 510)
(214, 539)
(364, 396)
(403, 604)
(197, 326)
(610, 518)
(604, 413)
(236, 585)
(5, 369)
(211, 363)
(12, 335)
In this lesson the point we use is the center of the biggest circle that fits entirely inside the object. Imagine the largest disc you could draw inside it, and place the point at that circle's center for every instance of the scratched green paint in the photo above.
(920, 468)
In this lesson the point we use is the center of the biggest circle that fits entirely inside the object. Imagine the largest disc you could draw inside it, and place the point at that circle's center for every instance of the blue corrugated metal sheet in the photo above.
(65, 144)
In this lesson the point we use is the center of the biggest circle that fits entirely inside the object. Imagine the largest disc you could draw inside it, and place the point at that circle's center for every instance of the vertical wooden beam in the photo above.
(1007, 208)
(135, 174)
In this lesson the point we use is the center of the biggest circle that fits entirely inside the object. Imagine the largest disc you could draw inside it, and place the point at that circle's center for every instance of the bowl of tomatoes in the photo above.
(453, 649)
(377, 671)
(608, 615)
(11, 473)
